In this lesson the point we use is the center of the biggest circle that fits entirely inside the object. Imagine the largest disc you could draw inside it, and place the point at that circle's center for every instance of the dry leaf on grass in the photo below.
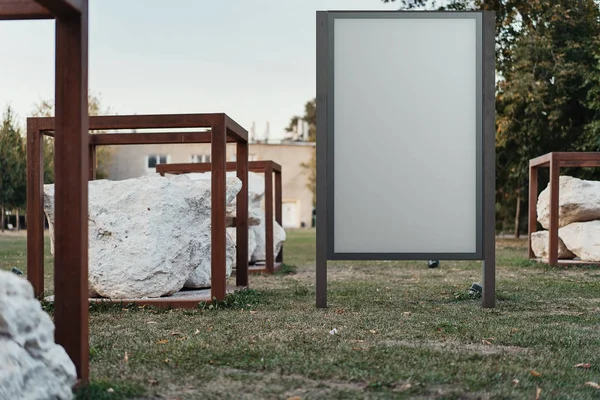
(593, 385)
(110, 390)
(407, 313)
(163, 341)
(181, 338)
(253, 312)
(404, 387)
(373, 331)
(197, 331)
(486, 342)
(176, 333)
(538, 393)
(583, 365)
(535, 374)
(515, 382)
(152, 381)
(152, 322)
(126, 357)
(339, 311)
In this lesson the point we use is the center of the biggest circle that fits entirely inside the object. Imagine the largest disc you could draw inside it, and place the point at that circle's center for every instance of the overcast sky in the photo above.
(253, 59)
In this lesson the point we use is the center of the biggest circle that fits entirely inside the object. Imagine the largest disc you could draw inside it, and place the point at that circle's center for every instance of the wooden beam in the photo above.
(107, 139)
(269, 256)
(35, 209)
(186, 168)
(218, 219)
(554, 204)
(241, 213)
(278, 209)
(65, 9)
(23, 9)
(71, 190)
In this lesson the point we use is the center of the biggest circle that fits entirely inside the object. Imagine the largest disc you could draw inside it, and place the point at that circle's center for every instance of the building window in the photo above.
(200, 158)
(154, 159)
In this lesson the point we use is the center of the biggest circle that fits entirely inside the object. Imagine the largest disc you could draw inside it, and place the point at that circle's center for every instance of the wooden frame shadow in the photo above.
(268, 168)
(554, 161)
(222, 130)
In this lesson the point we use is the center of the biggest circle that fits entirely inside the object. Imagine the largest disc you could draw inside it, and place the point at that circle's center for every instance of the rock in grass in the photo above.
(539, 245)
(147, 235)
(32, 366)
(579, 201)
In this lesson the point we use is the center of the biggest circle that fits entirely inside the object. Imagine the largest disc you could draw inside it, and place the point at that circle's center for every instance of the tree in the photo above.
(310, 118)
(12, 166)
(103, 153)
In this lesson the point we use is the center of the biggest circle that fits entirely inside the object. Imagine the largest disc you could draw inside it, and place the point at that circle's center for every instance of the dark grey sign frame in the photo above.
(485, 157)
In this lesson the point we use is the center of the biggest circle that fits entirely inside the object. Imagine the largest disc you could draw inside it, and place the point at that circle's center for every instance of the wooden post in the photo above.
(241, 216)
(269, 248)
(35, 209)
(71, 189)
(553, 228)
(278, 209)
(218, 286)
(532, 212)
(92, 162)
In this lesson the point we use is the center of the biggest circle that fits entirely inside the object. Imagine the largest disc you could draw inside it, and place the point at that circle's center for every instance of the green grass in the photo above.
(403, 331)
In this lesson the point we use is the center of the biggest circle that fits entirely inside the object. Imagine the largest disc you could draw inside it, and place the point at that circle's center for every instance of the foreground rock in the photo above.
(583, 239)
(147, 235)
(579, 201)
(539, 245)
(32, 366)
(260, 232)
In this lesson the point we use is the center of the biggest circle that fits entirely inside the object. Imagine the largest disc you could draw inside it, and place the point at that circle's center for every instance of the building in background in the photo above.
(136, 160)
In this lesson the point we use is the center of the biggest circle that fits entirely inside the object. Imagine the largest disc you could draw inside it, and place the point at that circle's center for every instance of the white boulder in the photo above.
(200, 277)
(260, 253)
(539, 245)
(583, 239)
(579, 201)
(32, 366)
(251, 242)
(256, 192)
(146, 235)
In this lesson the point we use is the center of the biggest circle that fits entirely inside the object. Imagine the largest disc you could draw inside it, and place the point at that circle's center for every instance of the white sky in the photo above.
(252, 59)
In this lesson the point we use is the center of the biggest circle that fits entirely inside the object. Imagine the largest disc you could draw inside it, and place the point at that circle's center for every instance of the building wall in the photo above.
(132, 161)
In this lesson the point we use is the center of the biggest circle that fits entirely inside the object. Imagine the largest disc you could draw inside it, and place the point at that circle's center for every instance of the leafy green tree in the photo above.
(103, 153)
(12, 166)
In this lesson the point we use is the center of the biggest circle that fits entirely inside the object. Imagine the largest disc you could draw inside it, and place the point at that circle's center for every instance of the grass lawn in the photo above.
(403, 331)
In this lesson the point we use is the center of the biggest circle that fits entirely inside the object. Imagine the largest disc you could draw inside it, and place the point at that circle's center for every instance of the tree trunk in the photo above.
(18, 224)
(2, 218)
(518, 218)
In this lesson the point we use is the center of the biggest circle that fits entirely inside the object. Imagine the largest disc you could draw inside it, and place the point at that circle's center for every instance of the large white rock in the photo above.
(32, 366)
(200, 277)
(146, 235)
(583, 239)
(539, 245)
(256, 192)
(251, 242)
(579, 201)
(260, 232)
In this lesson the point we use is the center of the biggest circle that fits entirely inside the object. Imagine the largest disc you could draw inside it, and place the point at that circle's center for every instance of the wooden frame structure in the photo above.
(222, 129)
(272, 172)
(554, 161)
(71, 164)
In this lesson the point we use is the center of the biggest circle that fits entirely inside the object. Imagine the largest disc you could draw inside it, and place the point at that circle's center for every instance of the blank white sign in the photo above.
(405, 135)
